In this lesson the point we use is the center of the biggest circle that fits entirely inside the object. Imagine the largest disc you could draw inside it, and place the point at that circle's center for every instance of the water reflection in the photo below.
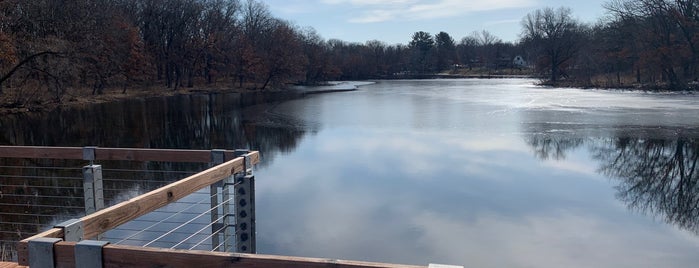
(438, 171)
(655, 176)
(187, 122)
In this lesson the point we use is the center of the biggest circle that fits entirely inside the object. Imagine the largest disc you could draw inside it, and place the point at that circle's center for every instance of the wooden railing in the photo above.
(105, 154)
(65, 254)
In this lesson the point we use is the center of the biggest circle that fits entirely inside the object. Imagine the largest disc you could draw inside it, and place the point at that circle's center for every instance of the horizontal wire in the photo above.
(161, 221)
(40, 206)
(138, 240)
(134, 180)
(35, 167)
(221, 244)
(28, 214)
(209, 237)
(200, 230)
(178, 227)
(38, 177)
(149, 171)
(40, 186)
(41, 196)
(22, 223)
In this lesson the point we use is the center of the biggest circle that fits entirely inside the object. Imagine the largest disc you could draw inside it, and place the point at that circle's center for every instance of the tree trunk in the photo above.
(24, 61)
(269, 78)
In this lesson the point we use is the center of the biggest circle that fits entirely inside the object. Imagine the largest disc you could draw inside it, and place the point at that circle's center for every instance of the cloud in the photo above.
(399, 10)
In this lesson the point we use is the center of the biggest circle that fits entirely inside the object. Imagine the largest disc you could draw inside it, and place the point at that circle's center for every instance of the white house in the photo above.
(519, 61)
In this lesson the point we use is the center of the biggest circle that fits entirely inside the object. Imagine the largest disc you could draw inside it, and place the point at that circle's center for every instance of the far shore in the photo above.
(81, 98)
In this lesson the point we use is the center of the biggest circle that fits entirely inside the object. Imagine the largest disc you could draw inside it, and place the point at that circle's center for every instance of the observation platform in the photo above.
(190, 208)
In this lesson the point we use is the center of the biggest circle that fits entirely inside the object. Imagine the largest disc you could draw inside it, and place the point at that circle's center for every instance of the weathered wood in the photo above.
(163, 155)
(11, 265)
(129, 154)
(64, 254)
(41, 152)
(23, 246)
(132, 256)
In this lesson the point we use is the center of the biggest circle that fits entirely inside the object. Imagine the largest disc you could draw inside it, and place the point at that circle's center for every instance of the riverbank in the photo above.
(77, 98)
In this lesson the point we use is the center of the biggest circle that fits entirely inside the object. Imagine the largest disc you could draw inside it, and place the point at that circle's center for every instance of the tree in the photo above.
(284, 56)
(466, 50)
(446, 51)
(668, 35)
(555, 36)
(422, 45)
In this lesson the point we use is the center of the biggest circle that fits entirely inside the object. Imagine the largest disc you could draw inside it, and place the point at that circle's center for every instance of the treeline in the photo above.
(649, 44)
(53, 48)
(56, 47)
(59, 45)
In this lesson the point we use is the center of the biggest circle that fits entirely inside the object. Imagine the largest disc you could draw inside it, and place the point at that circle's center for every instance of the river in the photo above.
(481, 173)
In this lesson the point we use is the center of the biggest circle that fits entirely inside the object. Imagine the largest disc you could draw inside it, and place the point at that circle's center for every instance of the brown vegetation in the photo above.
(53, 52)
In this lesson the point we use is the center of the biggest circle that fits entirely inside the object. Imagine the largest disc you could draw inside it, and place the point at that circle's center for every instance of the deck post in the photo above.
(72, 230)
(245, 207)
(93, 188)
(218, 156)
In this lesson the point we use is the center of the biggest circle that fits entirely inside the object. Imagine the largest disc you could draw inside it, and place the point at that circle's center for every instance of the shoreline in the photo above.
(257, 96)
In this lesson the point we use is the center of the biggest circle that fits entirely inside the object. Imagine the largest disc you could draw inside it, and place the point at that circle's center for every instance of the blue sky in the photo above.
(394, 21)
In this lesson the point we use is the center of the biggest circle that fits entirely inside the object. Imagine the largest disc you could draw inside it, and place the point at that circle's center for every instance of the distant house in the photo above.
(519, 62)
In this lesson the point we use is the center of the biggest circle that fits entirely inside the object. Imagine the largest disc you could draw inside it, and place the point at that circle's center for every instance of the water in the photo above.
(482, 173)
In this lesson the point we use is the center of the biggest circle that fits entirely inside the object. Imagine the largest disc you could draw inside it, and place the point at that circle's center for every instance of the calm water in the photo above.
(482, 173)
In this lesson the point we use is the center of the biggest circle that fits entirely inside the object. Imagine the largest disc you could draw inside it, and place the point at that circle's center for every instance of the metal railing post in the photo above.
(244, 190)
(93, 188)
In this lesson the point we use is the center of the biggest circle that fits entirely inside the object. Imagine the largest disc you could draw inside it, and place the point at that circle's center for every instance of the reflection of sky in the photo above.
(422, 198)
(419, 190)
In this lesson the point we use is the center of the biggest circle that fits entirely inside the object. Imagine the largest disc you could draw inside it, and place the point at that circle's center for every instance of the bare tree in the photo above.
(556, 37)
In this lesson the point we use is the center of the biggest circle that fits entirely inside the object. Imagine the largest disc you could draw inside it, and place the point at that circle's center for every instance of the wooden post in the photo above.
(217, 157)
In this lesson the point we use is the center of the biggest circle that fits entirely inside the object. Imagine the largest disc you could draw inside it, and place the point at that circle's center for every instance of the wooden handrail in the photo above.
(123, 212)
(130, 154)
(145, 257)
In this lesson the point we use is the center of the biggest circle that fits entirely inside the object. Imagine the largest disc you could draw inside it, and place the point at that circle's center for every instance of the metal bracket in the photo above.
(240, 152)
(89, 153)
(218, 156)
(41, 252)
(217, 227)
(88, 254)
(72, 230)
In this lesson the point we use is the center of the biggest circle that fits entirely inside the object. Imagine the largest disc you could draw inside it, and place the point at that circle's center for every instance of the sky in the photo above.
(394, 21)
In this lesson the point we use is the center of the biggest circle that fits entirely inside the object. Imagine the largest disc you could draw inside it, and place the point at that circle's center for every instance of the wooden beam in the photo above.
(41, 152)
(137, 257)
(162, 155)
(127, 154)
(106, 219)
(115, 256)
(11, 265)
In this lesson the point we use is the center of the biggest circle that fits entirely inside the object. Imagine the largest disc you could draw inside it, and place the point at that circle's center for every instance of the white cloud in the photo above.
(379, 11)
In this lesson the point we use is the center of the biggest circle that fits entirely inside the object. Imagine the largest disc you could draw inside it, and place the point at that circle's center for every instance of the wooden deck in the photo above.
(10, 265)
(131, 256)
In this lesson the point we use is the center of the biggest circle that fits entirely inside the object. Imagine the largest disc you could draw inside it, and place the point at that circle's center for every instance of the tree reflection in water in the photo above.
(185, 122)
(656, 176)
